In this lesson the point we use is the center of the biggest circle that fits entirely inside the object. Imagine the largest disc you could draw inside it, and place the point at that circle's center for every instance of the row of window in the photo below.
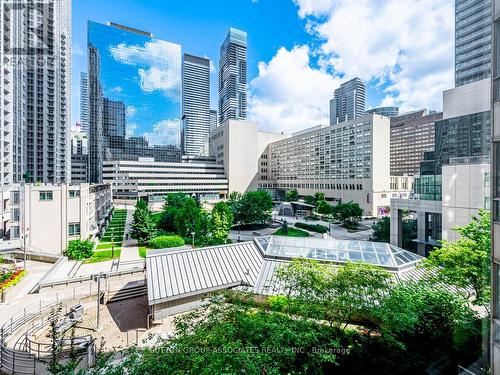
(47, 195)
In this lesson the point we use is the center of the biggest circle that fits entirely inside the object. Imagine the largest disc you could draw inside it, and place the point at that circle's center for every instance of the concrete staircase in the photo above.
(131, 290)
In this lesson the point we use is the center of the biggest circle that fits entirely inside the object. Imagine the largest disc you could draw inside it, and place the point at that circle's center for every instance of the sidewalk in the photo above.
(130, 248)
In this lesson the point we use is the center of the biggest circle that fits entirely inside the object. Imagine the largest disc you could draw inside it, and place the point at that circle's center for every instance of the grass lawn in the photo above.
(292, 232)
(107, 245)
(102, 256)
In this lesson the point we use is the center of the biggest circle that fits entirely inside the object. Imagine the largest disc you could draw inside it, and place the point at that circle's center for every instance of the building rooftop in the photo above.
(252, 266)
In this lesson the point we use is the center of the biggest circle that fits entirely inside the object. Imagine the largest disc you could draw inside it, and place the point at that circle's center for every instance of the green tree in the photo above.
(284, 228)
(309, 199)
(319, 196)
(253, 207)
(143, 225)
(324, 208)
(221, 220)
(188, 218)
(348, 213)
(78, 249)
(172, 203)
(292, 195)
(382, 230)
(465, 262)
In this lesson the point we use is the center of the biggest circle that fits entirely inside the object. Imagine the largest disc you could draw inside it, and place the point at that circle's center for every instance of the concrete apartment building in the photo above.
(146, 179)
(348, 102)
(46, 217)
(412, 134)
(237, 147)
(35, 91)
(347, 161)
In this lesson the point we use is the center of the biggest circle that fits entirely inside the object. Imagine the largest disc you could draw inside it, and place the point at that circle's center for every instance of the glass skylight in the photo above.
(375, 253)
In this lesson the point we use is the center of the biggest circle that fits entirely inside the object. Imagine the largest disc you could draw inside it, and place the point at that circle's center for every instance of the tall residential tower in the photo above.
(348, 102)
(472, 40)
(195, 105)
(233, 77)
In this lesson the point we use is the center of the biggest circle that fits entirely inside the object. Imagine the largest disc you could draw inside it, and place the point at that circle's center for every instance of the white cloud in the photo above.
(162, 60)
(288, 95)
(406, 43)
(165, 132)
(131, 111)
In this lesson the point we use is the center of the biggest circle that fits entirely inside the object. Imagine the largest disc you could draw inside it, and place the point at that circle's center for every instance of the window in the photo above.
(46, 195)
(74, 229)
(74, 193)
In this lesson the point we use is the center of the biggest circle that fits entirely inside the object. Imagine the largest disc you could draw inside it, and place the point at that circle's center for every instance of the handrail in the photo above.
(81, 279)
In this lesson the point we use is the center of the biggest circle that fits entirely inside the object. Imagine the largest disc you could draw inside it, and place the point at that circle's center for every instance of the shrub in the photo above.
(78, 249)
(313, 227)
(162, 242)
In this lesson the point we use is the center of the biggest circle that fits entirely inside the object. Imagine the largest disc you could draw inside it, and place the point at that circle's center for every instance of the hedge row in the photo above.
(313, 227)
(162, 242)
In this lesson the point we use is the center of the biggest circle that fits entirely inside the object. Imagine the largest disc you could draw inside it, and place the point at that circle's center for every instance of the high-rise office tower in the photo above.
(195, 104)
(233, 77)
(214, 120)
(84, 102)
(130, 72)
(348, 102)
(35, 91)
(113, 118)
(472, 40)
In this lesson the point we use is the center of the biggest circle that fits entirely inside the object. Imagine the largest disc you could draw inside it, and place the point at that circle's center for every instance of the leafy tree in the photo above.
(292, 195)
(465, 262)
(323, 208)
(188, 218)
(253, 207)
(78, 249)
(143, 225)
(382, 230)
(319, 196)
(309, 199)
(221, 220)
(348, 213)
(173, 202)
(284, 228)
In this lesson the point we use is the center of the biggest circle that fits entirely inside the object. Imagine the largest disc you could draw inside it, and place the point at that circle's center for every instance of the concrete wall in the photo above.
(464, 100)
(465, 190)
(46, 222)
(238, 145)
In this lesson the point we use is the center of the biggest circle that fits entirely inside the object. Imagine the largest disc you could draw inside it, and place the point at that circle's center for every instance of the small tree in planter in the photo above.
(284, 228)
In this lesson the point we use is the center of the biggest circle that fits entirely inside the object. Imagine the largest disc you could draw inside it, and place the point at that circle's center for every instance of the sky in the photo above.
(299, 51)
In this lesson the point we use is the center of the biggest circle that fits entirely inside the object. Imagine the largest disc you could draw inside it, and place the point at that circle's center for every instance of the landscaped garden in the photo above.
(109, 247)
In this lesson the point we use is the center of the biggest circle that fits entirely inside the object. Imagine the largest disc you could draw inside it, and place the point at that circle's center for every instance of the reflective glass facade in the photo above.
(134, 96)
(462, 136)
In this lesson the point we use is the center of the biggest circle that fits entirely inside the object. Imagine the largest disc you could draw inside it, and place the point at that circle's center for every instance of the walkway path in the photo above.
(130, 247)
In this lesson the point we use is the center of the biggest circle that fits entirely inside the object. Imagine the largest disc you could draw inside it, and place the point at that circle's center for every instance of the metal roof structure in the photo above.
(177, 274)
(252, 266)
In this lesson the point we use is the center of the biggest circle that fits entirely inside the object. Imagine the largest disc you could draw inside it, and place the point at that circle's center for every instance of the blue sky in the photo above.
(299, 50)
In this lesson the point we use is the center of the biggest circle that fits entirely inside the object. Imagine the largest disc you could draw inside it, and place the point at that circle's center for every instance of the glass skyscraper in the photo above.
(134, 83)
(472, 40)
(233, 77)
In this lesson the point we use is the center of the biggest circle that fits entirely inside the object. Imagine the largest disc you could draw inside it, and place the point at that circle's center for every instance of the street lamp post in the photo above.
(239, 231)
(192, 234)
(26, 232)
(112, 242)
(98, 313)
